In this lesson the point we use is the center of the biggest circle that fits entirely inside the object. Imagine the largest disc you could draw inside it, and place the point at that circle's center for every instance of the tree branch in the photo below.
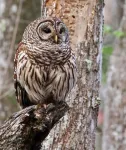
(26, 129)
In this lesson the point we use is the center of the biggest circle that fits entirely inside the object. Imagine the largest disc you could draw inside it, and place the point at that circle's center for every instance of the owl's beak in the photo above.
(56, 38)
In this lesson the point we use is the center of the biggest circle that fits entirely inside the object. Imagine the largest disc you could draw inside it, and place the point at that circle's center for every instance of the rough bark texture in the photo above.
(26, 129)
(114, 137)
(76, 131)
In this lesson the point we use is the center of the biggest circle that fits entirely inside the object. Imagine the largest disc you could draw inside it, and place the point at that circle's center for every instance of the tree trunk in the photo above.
(114, 131)
(76, 131)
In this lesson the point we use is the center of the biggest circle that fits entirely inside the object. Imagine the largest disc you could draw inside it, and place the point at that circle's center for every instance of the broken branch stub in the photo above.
(26, 129)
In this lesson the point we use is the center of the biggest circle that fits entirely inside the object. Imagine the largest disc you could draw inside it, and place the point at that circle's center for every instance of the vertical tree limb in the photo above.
(85, 21)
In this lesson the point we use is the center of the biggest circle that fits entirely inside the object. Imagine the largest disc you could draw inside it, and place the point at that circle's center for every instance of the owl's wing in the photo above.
(21, 94)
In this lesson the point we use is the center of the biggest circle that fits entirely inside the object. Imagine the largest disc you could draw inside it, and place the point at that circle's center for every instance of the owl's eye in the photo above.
(46, 30)
(62, 30)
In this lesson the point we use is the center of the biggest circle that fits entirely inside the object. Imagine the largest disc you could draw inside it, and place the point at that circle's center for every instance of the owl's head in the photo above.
(51, 30)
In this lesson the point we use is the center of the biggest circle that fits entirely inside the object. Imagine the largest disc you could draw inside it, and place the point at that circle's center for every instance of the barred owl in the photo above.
(44, 66)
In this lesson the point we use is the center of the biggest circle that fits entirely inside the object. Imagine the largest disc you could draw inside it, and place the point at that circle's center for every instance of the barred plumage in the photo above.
(45, 69)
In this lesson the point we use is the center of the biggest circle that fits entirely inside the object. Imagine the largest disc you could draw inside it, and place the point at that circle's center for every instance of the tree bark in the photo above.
(26, 129)
(114, 131)
(76, 131)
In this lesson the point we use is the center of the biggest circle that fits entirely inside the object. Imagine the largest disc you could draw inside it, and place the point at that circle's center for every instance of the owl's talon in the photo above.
(50, 107)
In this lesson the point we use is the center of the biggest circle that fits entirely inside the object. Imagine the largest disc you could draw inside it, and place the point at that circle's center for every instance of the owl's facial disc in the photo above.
(63, 33)
(54, 32)
(45, 30)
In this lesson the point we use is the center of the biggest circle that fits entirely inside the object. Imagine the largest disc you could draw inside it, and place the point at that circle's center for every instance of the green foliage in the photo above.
(108, 50)
(116, 33)
(107, 29)
(106, 53)
(119, 34)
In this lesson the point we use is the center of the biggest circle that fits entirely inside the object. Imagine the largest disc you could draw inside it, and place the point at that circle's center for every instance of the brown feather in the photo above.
(44, 71)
